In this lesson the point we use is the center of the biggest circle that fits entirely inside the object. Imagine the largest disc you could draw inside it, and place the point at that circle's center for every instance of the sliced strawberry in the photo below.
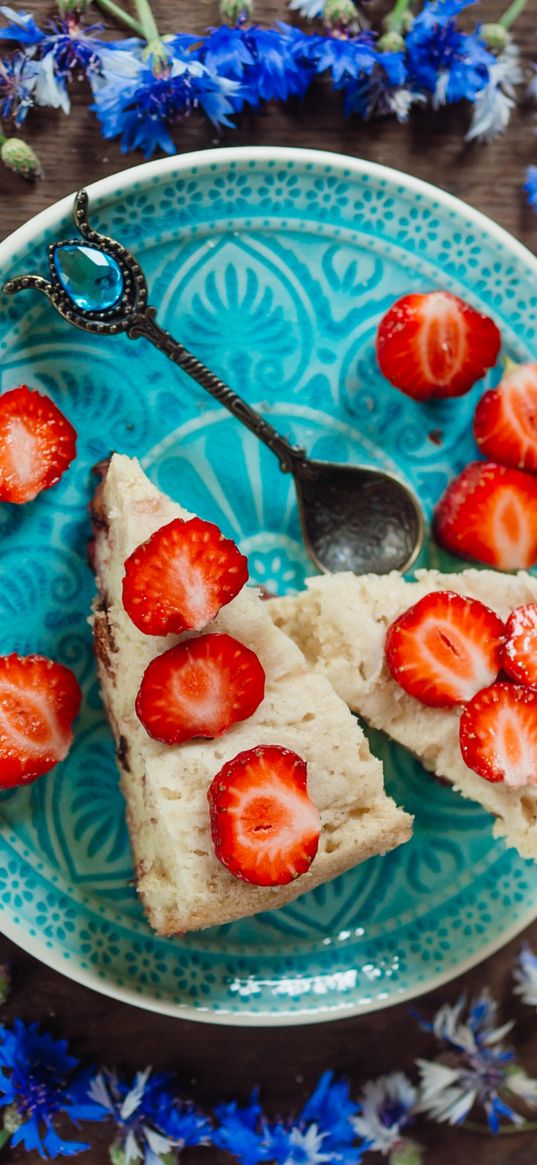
(435, 344)
(445, 648)
(489, 513)
(519, 657)
(498, 734)
(180, 578)
(264, 827)
(200, 688)
(39, 700)
(37, 443)
(505, 421)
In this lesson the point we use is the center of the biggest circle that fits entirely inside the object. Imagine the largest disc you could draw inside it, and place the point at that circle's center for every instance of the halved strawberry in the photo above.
(39, 700)
(37, 443)
(434, 344)
(519, 657)
(180, 578)
(505, 421)
(498, 734)
(489, 513)
(264, 827)
(200, 688)
(445, 648)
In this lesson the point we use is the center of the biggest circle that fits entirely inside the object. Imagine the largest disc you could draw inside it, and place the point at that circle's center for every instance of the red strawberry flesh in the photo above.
(200, 688)
(39, 700)
(265, 828)
(489, 513)
(37, 443)
(498, 734)
(519, 656)
(180, 578)
(445, 648)
(435, 344)
(505, 421)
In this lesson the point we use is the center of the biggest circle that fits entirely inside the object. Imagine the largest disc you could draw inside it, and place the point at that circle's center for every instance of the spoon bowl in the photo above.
(357, 519)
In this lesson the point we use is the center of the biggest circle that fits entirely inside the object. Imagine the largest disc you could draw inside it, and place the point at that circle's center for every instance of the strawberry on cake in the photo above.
(247, 780)
(445, 666)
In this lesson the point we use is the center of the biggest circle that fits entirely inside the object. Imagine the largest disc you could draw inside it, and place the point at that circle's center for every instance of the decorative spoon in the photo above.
(353, 518)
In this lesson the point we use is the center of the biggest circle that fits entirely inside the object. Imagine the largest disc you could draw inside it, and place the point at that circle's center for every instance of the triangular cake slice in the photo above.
(340, 624)
(182, 884)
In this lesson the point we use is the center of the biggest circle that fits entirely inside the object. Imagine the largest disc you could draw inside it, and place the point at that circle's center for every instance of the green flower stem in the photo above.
(512, 13)
(4, 1133)
(147, 20)
(506, 1131)
(2, 138)
(121, 16)
(394, 19)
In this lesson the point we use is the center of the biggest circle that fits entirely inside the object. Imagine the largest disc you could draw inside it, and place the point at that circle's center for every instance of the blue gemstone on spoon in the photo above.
(91, 278)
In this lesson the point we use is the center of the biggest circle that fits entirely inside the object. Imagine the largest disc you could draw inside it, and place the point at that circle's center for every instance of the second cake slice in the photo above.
(340, 623)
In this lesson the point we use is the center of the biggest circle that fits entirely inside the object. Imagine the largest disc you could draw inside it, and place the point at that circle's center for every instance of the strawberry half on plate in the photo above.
(39, 700)
(37, 444)
(445, 648)
(505, 421)
(434, 344)
(265, 828)
(489, 513)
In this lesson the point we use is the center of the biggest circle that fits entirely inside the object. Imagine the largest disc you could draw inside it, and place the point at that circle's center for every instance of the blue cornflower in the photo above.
(57, 53)
(347, 59)
(477, 1069)
(17, 85)
(150, 1121)
(277, 73)
(384, 92)
(387, 1108)
(322, 1132)
(526, 970)
(139, 100)
(263, 61)
(38, 1082)
(494, 103)
(242, 1131)
(449, 64)
(332, 1109)
(225, 53)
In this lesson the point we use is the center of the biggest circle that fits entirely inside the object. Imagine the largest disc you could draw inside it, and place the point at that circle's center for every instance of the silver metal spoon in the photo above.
(353, 518)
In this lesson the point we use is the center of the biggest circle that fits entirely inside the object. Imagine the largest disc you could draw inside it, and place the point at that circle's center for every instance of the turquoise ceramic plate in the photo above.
(275, 267)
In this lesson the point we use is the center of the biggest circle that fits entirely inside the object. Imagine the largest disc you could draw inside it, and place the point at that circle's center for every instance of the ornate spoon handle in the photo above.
(117, 302)
(145, 325)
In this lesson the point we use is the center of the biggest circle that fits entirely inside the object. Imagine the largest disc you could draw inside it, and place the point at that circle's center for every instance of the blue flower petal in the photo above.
(22, 27)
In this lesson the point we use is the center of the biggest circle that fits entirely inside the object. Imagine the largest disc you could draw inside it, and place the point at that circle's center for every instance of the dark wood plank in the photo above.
(217, 1062)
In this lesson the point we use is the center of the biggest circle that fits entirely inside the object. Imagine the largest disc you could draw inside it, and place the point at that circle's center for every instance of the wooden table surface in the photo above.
(219, 1062)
